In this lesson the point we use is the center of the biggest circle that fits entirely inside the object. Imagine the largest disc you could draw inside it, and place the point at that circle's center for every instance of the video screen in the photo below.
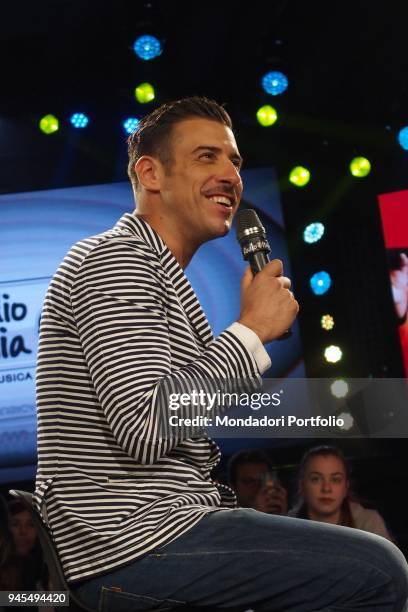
(394, 216)
(39, 228)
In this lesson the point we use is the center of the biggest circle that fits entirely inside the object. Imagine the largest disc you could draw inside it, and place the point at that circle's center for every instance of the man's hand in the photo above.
(272, 499)
(267, 305)
(399, 283)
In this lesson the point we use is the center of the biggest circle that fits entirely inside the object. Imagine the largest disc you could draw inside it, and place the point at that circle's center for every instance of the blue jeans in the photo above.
(243, 559)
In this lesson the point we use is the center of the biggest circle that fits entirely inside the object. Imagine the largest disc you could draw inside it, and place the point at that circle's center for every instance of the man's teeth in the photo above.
(221, 200)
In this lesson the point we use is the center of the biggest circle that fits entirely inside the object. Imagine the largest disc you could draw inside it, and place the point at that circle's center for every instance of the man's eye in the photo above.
(209, 155)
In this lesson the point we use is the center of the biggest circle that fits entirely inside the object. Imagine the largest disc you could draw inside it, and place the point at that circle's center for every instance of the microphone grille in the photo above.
(247, 218)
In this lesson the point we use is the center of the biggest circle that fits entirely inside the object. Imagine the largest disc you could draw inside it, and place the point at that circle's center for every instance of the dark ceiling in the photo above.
(346, 61)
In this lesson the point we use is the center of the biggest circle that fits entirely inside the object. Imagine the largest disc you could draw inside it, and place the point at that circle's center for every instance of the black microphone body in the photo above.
(255, 247)
(258, 261)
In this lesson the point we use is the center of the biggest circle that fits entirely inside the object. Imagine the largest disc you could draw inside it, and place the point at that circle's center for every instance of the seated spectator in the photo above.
(324, 493)
(27, 547)
(254, 479)
(22, 528)
(28, 554)
(10, 569)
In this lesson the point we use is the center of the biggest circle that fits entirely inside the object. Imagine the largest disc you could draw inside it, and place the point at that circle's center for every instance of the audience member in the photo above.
(26, 545)
(325, 495)
(33, 575)
(10, 570)
(254, 479)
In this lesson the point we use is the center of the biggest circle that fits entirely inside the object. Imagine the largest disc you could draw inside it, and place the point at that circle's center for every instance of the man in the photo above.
(137, 521)
(253, 477)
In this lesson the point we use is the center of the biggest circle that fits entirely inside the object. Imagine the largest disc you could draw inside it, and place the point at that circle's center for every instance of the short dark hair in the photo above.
(153, 134)
(247, 456)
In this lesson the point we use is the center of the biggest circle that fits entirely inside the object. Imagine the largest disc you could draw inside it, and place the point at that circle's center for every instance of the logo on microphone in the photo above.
(255, 246)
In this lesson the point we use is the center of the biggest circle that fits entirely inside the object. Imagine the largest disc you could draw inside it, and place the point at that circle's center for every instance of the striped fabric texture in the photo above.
(119, 318)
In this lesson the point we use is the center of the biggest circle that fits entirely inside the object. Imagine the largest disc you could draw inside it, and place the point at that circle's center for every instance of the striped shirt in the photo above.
(119, 318)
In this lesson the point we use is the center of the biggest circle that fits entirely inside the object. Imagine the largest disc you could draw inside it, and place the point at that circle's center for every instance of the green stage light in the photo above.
(49, 124)
(299, 176)
(360, 167)
(266, 115)
(144, 93)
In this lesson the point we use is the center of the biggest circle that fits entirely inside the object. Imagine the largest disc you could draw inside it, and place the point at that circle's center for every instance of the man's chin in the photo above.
(225, 228)
(227, 225)
(219, 231)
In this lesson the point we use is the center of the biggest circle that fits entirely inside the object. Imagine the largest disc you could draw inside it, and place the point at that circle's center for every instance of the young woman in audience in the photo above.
(28, 555)
(324, 493)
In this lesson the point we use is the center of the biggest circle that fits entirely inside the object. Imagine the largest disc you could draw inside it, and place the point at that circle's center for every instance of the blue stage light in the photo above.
(130, 124)
(147, 47)
(403, 138)
(320, 282)
(79, 120)
(313, 232)
(275, 83)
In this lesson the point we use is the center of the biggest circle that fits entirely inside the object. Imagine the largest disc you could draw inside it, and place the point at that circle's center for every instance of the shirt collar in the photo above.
(135, 225)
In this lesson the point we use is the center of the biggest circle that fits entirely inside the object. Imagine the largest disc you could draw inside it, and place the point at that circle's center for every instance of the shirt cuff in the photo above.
(253, 344)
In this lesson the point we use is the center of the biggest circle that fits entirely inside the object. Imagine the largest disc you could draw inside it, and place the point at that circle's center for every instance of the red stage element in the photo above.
(394, 215)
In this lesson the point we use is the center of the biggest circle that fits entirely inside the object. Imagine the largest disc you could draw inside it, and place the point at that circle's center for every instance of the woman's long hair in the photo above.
(300, 508)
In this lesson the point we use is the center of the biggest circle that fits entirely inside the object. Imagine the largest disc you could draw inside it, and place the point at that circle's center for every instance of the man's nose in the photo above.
(230, 173)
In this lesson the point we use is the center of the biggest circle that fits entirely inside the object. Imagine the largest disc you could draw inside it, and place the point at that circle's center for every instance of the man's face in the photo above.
(249, 482)
(203, 188)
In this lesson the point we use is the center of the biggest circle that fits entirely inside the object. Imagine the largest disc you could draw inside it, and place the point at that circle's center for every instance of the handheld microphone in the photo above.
(255, 247)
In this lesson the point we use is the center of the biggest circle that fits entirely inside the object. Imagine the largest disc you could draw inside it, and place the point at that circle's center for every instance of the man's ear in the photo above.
(149, 172)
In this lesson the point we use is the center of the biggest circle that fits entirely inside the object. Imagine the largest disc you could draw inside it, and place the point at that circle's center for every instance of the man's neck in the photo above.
(172, 238)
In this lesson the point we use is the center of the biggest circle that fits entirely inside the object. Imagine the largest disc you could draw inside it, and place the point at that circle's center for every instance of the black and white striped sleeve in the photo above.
(120, 306)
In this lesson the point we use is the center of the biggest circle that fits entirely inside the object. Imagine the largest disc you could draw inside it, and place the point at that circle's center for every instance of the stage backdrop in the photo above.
(38, 229)
(394, 216)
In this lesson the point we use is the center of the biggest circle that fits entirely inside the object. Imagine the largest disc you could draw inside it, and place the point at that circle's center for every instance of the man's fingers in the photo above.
(285, 282)
(246, 279)
(274, 268)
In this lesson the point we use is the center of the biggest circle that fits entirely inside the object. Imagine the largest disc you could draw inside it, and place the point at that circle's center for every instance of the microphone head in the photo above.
(248, 224)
